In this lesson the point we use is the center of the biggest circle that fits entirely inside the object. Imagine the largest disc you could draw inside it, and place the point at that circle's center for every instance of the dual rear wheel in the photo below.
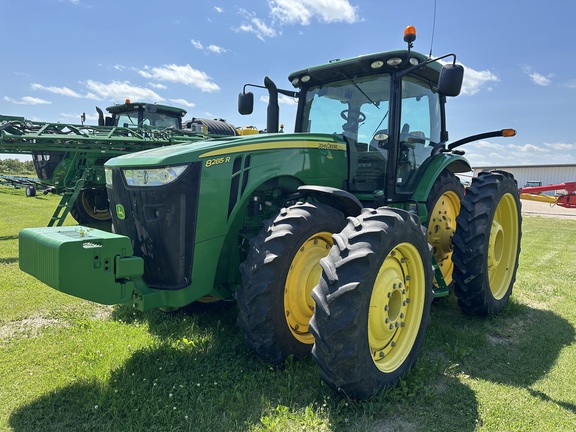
(359, 290)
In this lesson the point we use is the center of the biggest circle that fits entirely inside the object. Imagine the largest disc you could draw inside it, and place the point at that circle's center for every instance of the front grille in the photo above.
(161, 221)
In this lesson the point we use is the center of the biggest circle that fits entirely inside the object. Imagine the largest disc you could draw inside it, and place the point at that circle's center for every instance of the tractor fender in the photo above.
(334, 197)
(451, 162)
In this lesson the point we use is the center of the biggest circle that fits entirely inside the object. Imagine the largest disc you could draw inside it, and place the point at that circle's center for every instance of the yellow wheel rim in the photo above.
(396, 307)
(503, 246)
(441, 227)
(303, 276)
(88, 203)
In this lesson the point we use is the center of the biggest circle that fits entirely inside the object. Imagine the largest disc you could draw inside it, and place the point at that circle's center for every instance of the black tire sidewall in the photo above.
(354, 372)
(262, 315)
(474, 291)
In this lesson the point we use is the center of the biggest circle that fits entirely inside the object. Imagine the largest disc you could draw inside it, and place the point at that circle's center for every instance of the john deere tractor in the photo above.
(333, 240)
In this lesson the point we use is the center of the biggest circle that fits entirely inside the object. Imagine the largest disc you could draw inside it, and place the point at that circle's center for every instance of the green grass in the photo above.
(71, 365)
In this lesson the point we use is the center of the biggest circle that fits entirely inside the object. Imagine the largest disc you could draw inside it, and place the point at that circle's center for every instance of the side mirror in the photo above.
(450, 81)
(245, 103)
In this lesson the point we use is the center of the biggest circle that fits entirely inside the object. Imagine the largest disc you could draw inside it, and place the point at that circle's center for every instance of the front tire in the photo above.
(487, 243)
(278, 275)
(91, 206)
(372, 302)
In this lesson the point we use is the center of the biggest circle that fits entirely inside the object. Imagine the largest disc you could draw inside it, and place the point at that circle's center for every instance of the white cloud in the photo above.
(304, 11)
(183, 102)
(121, 90)
(485, 153)
(561, 146)
(488, 145)
(528, 148)
(181, 75)
(216, 49)
(218, 9)
(297, 12)
(158, 86)
(538, 78)
(196, 44)
(475, 80)
(212, 48)
(282, 100)
(64, 91)
(256, 25)
(27, 100)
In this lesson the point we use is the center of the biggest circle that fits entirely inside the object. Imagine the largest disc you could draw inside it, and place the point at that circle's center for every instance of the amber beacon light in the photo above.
(409, 34)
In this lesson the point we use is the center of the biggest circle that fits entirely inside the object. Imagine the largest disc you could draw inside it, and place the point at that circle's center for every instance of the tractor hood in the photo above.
(222, 148)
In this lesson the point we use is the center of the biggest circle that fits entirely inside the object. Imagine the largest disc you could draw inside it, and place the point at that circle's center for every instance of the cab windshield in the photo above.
(358, 110)
(155, 120)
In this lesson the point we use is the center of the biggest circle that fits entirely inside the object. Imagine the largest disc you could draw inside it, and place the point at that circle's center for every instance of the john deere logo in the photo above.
(120, 211)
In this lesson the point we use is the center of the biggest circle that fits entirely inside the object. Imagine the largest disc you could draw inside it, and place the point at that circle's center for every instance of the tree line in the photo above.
(16, 167)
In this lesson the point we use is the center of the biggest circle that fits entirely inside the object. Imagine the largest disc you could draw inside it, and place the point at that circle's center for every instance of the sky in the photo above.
(62, 58)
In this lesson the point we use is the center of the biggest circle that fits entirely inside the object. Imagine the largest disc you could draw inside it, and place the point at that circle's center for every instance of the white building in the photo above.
(547, 174)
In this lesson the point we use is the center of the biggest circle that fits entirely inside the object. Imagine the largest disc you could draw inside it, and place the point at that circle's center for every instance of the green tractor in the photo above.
(69, 156)
(334, 240)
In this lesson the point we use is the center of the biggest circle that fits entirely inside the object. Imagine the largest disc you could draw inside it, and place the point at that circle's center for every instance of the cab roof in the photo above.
(366, 65)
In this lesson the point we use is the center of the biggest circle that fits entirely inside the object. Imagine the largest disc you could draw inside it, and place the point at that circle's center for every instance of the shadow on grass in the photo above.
(8, 260)
(544, 397)
(516, 348)
(202, 376)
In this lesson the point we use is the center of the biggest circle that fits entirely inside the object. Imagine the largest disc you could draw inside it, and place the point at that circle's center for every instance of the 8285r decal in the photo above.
(216, 161)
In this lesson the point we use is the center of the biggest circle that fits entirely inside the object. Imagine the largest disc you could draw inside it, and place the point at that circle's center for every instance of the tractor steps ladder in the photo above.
(67, 202)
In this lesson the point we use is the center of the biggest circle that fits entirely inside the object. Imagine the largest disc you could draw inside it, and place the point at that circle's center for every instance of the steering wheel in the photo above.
(346, 114)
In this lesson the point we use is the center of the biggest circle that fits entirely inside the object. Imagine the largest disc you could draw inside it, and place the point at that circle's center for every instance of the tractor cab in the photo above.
(387, 107)
(138, 114)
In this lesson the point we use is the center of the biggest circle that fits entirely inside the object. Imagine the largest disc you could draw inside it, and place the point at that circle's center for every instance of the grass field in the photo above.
(70, 365)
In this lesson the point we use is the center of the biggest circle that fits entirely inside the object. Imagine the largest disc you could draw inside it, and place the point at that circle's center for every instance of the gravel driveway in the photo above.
(536, 208)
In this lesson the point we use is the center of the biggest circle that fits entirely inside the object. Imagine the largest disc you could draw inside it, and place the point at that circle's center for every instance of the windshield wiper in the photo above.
(360, 90)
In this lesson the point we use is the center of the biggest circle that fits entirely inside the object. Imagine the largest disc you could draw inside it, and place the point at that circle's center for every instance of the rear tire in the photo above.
(487, 243)
(278, 275)
(443, 206)
(372, 302)
(91, 206)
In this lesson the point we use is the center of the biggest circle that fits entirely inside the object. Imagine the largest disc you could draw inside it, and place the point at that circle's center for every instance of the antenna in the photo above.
(433, 29)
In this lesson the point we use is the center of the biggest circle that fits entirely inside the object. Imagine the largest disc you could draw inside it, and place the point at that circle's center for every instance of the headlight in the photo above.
(153, 176)
(108, 175)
